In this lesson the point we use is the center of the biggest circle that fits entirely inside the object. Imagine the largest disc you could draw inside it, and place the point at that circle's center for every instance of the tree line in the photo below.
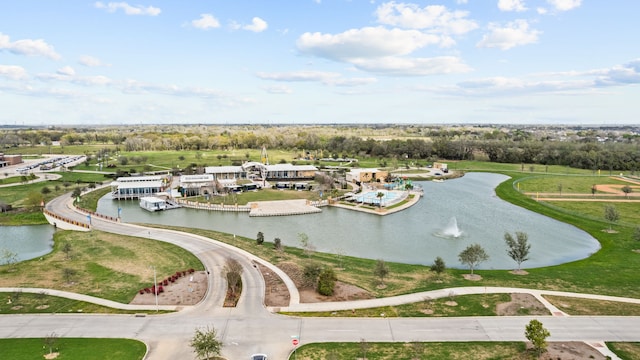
(586, 149)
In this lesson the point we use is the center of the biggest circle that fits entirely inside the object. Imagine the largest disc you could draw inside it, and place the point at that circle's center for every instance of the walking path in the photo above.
(251, 328)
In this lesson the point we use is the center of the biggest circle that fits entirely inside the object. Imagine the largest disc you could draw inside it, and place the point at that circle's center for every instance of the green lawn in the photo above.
(72, 349)
(100, 264)
(414, 350)
(563, 184)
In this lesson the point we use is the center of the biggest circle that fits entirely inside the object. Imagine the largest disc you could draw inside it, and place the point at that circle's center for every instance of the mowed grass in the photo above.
(627, 351)
(100, 264)
(579, 306)
(73, 349)
(40, 303)
(414, 350)
(568, 184)
(463, 305)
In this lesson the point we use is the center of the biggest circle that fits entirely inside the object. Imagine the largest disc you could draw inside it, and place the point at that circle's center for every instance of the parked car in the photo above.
(258, 357)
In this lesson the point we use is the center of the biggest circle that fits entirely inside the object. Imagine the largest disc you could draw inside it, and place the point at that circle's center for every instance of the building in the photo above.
(134, 187)
(194, 185)
(256, 170)
(442, 166)
(366, 175)
(8, 160)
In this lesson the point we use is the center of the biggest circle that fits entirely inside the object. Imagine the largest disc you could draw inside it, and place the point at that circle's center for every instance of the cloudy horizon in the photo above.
(320, 62)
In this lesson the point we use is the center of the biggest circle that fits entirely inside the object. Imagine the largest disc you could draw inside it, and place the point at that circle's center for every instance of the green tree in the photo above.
(326, 281)
(626, 190)
(594, 189)
(205, 343)
(381, 270)
(472, 256)
(537, 334)
(260, 238)
(438, 266)
(310, 274)
(380, 195)
(33, 199)
(518, 249)
(611, 214)
(277, 244)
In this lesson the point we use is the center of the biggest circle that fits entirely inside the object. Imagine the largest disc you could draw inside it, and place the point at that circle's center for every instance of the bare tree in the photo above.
(233, 270)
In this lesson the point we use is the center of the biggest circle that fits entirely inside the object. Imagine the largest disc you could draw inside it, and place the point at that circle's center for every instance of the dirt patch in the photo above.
(571, 351)
(519, 272)
(472, 277)
(521, 304)
(276, 292)
(53, 355)
(185, 290)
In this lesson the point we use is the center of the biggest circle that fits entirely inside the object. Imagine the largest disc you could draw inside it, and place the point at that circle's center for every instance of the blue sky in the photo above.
(319, 61)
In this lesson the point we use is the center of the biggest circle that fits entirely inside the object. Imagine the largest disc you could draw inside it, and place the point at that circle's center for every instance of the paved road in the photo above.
(251, 327)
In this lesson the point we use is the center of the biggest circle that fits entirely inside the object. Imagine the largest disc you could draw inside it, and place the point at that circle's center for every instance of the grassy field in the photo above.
(73, 349)
(100, 264)
(28, 303)
(414, 350)
(463, 305)
(577, 306)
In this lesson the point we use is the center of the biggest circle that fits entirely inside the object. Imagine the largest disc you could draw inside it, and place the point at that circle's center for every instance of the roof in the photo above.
(151, 199)
(137, 184)
(223, 169)
(139, 178)
(196, 178)
(291, 167)
(365, 170)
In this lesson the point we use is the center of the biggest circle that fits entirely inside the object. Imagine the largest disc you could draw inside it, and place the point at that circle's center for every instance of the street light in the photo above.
(155, 285)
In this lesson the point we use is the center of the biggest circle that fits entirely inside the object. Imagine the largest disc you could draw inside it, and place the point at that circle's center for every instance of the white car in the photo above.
(258, 357)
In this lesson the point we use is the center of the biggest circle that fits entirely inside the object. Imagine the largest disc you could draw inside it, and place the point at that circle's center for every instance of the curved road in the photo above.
(251, 327)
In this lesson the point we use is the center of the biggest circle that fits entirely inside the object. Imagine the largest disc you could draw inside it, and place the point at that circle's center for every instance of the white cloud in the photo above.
(128, 9)
(568, 82)
(625, 74)
(325, 77)
(206, 21)
(13, 72)
(91, 61)
(515, 33)
(542, 11)
(278, 89)
(365, 43)
(565, 5)
(512, 5)
(399, 66)
(257, 25)
(298, 76)
(66, 71)
(435, 18)
(28, 47)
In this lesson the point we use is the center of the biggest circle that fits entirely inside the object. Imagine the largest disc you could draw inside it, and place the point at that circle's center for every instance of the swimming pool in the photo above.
(371, 197)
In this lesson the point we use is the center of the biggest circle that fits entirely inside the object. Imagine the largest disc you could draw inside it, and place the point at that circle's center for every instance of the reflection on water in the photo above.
(408, 236)
(28, 242)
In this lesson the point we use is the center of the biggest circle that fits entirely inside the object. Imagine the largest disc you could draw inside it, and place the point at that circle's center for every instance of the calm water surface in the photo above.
(28, 242)
(415, 235)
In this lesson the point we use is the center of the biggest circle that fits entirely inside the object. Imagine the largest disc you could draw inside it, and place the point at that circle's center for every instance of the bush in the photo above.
(327, 282)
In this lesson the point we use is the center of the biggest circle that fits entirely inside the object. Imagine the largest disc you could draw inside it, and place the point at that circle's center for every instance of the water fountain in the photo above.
(452, 230)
